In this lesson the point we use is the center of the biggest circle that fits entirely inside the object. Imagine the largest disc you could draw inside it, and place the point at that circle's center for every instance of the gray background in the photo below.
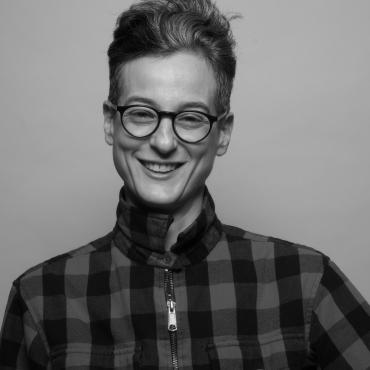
(298, 166)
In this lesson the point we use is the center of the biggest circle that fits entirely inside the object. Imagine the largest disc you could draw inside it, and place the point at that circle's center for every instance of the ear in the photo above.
(109, 113)
(225, 128)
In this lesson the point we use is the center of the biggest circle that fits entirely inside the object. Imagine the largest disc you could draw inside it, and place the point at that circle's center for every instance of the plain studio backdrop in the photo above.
(298, 165)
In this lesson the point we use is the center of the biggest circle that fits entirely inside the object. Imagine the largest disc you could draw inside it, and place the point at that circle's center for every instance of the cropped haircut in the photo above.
(163, 27)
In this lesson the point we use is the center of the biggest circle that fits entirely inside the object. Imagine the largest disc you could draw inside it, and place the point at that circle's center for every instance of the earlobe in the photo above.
(108, 122)
(226, 127)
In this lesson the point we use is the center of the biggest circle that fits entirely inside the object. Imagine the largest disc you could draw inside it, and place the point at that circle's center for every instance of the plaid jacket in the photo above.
(222, 298)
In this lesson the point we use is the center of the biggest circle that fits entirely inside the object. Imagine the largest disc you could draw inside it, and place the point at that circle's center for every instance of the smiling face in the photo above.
(161, 171)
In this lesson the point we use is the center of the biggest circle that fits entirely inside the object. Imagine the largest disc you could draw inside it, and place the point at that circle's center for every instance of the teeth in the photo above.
(160, 167)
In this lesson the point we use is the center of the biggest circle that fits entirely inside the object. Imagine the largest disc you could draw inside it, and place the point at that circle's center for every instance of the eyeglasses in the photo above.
(189, 126)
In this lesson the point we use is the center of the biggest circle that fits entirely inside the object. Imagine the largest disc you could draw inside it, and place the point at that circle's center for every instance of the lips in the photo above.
(161, 167)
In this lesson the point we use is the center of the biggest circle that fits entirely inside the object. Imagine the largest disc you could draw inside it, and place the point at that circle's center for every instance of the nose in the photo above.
(164, 139)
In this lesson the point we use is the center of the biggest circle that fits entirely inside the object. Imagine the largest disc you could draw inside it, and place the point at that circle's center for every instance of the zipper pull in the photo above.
(172, 322)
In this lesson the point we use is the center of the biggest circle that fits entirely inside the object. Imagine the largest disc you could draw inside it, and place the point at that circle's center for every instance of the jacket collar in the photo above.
(141, 235)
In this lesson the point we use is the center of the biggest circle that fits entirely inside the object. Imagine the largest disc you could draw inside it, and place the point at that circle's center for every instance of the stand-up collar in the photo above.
(140, 235)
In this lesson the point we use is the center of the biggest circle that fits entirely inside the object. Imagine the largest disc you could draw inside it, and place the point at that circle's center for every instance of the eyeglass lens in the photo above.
(189, 126)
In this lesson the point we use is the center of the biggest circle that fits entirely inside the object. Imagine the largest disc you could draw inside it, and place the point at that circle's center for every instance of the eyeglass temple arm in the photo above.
(111, 105)
(222, 115)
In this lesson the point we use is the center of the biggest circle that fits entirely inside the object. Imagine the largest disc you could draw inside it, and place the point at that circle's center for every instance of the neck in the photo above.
(183, 217)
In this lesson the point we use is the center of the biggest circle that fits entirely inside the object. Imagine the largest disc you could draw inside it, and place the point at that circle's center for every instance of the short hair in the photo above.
(163, 27)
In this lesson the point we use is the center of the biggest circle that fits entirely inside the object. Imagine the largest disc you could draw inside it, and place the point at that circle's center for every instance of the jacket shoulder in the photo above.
(56, 264)
(269, 246)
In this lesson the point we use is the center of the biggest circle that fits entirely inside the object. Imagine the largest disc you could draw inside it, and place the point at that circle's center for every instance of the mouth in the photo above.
(160, 167)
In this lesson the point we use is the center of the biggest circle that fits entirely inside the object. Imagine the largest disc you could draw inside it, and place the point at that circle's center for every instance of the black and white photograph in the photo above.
(185, 184)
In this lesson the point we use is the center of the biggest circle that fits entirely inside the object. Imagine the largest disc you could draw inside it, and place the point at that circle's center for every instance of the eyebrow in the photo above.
(184, 106)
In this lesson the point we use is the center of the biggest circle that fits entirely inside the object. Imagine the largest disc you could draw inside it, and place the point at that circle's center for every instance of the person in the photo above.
(171, 286)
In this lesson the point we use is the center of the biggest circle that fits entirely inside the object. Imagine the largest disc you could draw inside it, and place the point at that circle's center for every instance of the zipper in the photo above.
(169, 292)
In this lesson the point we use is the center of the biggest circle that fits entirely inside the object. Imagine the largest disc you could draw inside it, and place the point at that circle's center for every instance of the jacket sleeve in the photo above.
(21, 346)
(340, 323)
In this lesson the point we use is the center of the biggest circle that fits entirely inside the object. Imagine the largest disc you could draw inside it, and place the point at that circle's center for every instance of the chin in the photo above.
(161, 200)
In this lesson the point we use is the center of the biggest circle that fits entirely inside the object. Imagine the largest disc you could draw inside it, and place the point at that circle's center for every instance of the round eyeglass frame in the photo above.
(161, 113)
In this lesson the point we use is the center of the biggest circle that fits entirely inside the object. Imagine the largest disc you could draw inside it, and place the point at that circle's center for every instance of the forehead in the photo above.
(169, 81)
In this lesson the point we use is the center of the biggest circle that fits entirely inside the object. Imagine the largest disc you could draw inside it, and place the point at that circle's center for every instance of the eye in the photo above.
(191, 119)
(140, 115)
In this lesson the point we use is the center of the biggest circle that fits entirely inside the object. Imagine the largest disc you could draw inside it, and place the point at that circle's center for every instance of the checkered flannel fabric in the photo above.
(243, 301)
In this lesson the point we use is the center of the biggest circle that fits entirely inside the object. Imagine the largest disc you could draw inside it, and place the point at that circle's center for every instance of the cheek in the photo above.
(204, 160)
(123, 148)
